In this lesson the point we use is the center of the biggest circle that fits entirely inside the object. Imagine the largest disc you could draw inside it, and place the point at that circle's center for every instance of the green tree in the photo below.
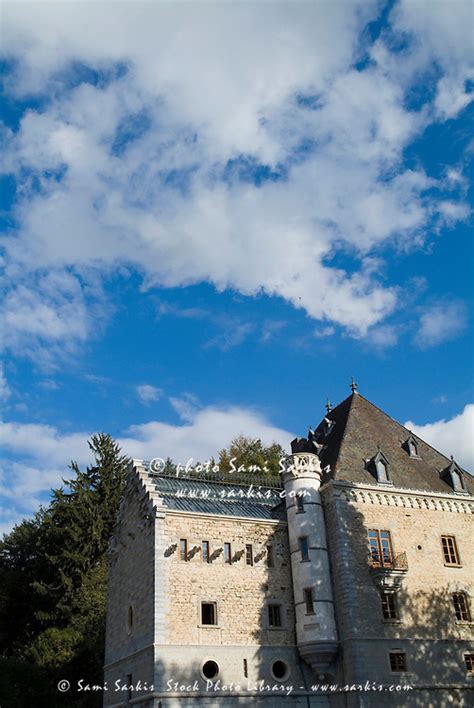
(253, 456)
(53, 596)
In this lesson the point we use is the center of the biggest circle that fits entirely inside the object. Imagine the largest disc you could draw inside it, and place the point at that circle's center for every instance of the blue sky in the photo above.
(213, 215)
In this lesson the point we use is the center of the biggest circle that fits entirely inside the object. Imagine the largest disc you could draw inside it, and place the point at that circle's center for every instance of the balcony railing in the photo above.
(398, 562)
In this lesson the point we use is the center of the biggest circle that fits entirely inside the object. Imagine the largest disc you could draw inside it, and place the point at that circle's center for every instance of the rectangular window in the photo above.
(249, 554)
(450, 551)
(461, 606)
(398, 661)
(227, 553)
(208, 613)
(469, 661)
(389, 606)
(304, 548)
(183, 549)
(274, 616)
(300, 504)
(308, 599)
(129, 687)
(246, 669)
(205, 551)
(270, 559)
(380, 548)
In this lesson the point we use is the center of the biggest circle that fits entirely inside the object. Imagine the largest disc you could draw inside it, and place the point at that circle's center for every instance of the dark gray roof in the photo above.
(358, 431)
(200, 496)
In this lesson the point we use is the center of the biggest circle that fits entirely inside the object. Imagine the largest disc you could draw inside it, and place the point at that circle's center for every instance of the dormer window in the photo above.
(411, 446)
(454, 476)
(380, 468)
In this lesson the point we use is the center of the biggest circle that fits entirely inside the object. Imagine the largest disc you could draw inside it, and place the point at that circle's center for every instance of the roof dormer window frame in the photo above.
(380, 467)
(412, 446)
(454, 476)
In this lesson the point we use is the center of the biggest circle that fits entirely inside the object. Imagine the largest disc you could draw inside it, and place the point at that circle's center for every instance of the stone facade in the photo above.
(157, 638)
(426, 628)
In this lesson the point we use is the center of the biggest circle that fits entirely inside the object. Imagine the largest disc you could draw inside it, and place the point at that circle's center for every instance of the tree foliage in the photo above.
(252, 457)
(53, 596)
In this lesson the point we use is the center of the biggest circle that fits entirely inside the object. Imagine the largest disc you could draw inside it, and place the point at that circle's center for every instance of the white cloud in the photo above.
(148, 393)
(452, 437)
(47, 317)
(43, 453)
(160, 202)
(442, 34)
(202, 434)
(440, 323)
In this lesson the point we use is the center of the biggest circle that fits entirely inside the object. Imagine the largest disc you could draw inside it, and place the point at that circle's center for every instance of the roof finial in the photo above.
(354, 385)
(328, 405)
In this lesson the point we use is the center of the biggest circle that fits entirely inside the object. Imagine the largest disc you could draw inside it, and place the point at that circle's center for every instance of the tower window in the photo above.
(249, 554)
(209, 613)
(205, 551)
(227, 553)
(183, 549)
(246, 668)
(380, 548)
(129, 619)
(308, 599)
(469, 661)
(389, 606)
(398, 661)
(270, 558)
(274, 616)
(304, 548)
(450, 551)
(299, 504)
(461, 606)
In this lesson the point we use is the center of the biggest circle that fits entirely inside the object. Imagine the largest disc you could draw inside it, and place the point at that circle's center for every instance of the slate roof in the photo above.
(200, 496)
(358, 431)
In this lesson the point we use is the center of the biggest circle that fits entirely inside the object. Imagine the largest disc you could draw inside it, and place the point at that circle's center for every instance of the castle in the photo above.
(347, 583)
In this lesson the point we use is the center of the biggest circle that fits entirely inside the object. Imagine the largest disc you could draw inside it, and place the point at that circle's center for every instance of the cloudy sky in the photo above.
(213, 214)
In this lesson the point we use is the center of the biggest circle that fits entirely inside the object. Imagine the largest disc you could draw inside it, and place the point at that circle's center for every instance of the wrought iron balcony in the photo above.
(398, 562)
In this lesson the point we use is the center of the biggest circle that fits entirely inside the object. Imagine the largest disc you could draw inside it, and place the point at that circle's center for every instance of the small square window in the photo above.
(308, 599)
(304, 548)
(183, 549)
(450, 551)
(274, 616)
(249, 554)
(389, 606)
(469, 661)
(398, 661)
(209, 613)
(461, 606)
